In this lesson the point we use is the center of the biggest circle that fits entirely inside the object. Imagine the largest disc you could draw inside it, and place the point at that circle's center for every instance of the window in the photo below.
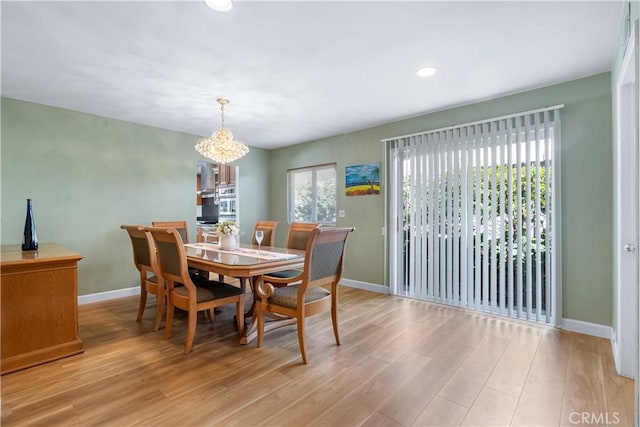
(312, 194)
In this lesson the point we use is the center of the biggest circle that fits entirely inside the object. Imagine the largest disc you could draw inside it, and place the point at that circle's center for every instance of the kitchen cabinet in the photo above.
(226, 175)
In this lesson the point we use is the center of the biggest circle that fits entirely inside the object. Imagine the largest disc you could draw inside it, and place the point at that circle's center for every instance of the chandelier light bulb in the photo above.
(426, 71)
(219, 5)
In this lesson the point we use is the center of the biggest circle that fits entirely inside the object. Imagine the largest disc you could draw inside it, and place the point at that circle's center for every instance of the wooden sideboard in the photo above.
(39, 305)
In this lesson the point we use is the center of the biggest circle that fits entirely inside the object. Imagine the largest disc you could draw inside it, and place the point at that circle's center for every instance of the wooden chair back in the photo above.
(172, 258)
(299, 233)
(324, 258)
(146, 261)
(269, 230)
(140, 244)
(180, 226)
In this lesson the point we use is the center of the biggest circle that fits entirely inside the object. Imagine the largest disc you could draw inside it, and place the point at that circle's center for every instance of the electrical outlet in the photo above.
(341, 213)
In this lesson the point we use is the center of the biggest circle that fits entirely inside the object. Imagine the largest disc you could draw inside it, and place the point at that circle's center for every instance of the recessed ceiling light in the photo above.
(219, 5)
(427, 71)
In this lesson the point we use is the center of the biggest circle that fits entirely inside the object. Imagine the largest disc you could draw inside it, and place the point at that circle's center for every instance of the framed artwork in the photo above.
(361, 180)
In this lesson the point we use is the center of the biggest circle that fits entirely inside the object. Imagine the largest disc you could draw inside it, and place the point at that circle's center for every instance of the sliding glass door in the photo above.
(473, 215)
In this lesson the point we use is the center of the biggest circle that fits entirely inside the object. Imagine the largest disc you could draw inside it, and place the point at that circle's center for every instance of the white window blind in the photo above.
(474, 215)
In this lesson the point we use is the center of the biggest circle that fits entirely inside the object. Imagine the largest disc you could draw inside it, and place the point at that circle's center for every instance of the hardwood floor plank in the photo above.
(549, 364)
(364, 400)
(536, 396)
(57, 416)
(406, 404)
(441, 412)
(510, 373)
(467, 382)
(311, 405)
(301, 380)
(584, 389)
(461, 390)
(491, 408)
(378, 420)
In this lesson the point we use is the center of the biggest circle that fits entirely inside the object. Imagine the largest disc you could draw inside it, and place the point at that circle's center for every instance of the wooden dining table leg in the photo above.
(251, 331)
(243, 286)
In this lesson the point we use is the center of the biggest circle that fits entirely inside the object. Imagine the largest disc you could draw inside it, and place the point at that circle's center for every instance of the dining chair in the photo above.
(145, 260)
(323, 263)
(180, 226)
(269, 230)
(197, 293)
(297, 237)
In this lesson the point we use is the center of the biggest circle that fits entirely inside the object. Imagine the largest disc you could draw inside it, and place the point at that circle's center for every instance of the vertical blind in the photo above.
(474, 215)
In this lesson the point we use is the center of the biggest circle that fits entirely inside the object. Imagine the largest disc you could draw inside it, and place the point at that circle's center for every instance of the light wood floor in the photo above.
(402, 362)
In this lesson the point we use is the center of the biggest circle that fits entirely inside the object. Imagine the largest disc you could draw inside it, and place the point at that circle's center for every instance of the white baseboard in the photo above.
(135, 290)
(626, 370)
(366, 286)
(587, 328)
(615, 351)
(105, 296)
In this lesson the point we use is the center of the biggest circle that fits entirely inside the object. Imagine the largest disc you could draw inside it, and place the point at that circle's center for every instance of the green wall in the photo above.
(87, 175)
(586, 186)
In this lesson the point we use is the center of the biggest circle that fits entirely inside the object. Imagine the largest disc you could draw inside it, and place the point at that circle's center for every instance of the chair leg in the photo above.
(169, 321)
(240, 314)
(334, 316)
(159, 309)
(259, 317)
(303, 349)
(143, 297)
(191, 330)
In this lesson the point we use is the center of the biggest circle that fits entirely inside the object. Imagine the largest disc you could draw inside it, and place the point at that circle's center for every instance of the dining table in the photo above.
(248, 263)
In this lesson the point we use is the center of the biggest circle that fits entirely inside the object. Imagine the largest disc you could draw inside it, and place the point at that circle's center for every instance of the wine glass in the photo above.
(259, 237)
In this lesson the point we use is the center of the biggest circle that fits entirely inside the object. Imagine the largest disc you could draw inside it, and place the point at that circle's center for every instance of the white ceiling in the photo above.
(294, 71)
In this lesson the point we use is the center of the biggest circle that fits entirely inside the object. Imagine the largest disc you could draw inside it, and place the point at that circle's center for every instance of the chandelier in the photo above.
(221, 147)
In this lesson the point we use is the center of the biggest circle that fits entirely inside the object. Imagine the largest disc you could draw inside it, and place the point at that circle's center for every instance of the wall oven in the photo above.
(227, 207)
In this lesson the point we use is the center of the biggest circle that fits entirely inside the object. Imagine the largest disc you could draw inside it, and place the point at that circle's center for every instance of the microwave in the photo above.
(226, 192)
(226, 206)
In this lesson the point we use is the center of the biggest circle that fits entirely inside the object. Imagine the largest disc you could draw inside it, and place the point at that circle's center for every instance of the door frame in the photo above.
(624, 337)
